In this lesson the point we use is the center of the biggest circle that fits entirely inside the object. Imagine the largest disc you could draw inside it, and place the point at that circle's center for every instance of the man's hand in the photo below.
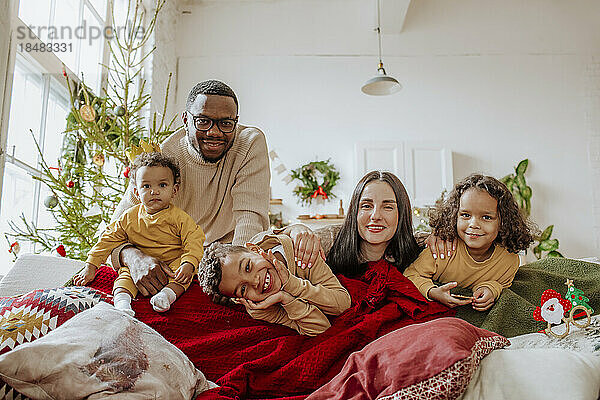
(184, 273)
(442, 294)
(86, 275)
(276, 298)
(149, 274)
(440, 248)
(307, 246)
(483, 298)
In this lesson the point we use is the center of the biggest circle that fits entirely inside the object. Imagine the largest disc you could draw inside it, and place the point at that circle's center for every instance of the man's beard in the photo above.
(196, 146)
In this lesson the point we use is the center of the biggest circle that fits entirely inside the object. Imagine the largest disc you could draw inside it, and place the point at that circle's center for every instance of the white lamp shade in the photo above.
(381, 85)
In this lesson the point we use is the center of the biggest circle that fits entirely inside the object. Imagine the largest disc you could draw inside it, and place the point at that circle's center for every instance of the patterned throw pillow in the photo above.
(102, 353)
(32, 315)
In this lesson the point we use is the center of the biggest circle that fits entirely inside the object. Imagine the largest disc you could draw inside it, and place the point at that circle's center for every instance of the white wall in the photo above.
(164, 60)
(494, 81)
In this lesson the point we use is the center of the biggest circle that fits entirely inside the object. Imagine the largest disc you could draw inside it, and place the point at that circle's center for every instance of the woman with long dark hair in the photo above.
(378, 226)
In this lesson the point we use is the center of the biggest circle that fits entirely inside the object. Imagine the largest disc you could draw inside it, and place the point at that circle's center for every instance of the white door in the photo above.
(425, 169)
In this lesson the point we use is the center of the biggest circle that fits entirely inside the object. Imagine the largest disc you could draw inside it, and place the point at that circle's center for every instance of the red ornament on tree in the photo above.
(70, 184)
(14, 248)
(61, 251)
(126, 172)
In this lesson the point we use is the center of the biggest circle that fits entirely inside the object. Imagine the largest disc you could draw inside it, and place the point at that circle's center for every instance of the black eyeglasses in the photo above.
(204, 123)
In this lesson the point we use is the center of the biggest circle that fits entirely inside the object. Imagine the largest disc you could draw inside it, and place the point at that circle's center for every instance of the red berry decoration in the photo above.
(61, 251)
(126, 172)
(70, 184)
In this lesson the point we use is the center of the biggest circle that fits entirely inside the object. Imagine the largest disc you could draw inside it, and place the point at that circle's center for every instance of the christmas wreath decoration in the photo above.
(318, 179)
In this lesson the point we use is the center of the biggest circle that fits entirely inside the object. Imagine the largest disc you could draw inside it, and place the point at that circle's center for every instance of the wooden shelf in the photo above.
(319, 221)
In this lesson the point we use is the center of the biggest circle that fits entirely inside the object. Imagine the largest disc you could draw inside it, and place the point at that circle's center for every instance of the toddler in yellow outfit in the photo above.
(156, 227)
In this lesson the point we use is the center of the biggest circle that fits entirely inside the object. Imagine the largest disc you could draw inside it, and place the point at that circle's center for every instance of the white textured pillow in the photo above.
(534, 374)
(34, 271)
(101, 353)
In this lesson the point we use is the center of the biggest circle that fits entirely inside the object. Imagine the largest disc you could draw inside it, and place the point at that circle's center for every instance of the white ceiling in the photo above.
(393, 12)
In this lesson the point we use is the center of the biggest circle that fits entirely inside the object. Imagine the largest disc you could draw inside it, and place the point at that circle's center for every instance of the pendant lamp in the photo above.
(381, 84)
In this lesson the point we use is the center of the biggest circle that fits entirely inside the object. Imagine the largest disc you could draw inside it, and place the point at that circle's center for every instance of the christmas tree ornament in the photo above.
(576, 297)
(14, 248)
(61, 251)
(144, 147)
(98, 159)
(556, 310)
(87, 113)
(126, 172)
(70, 184)
(120, 111)
(51, 201)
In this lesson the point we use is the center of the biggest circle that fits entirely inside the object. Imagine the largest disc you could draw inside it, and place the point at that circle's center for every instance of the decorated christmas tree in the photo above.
(576, 296)
(90, 177)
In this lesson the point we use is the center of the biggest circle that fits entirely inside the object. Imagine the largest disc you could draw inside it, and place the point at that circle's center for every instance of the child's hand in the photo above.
(483, 298)
(276, 298)
(86, 275)
(280, 268)
(184, 273)
(442, 294)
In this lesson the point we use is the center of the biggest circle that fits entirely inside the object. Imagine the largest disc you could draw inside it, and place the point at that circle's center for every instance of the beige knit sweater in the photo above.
(229, 199)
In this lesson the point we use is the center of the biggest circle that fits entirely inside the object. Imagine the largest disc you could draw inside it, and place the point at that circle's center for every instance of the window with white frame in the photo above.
(46, 34)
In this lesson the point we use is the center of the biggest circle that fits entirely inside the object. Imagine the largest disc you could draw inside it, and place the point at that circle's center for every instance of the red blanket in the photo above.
(254, 359)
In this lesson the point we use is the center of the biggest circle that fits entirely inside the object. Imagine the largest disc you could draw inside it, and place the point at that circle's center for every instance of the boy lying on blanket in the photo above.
(266, 280)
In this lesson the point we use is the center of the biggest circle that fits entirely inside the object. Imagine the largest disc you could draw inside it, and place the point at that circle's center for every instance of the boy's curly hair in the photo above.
(156, 160)
(515, 232)
(209, 270)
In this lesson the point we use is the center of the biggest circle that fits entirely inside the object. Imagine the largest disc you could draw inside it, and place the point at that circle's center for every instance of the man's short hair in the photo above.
(155, 160)
(209, 87)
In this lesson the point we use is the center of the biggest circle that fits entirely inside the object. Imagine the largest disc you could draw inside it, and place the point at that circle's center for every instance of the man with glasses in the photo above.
(224, 179)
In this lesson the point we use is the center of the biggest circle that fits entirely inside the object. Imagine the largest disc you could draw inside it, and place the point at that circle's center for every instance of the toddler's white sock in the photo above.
(162, 300)
(122, 302)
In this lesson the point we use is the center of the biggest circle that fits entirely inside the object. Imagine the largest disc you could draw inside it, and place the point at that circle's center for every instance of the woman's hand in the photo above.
(483, 298)
(439, 247)
(307, 246)
(280, 268)
(443, 295)
(149, 274)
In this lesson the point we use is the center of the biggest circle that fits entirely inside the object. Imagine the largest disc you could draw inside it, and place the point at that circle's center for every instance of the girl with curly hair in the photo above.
(482, 214)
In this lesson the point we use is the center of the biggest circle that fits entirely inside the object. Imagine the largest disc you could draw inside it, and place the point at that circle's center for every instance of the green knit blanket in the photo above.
(512, 314)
